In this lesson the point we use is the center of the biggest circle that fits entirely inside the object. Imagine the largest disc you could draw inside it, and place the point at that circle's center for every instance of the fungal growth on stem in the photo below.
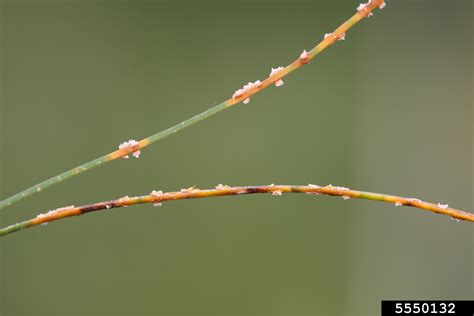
(241, 95)
(246, 89)
(158, 197)
(275, 72)
(304, 57)
(131, 146)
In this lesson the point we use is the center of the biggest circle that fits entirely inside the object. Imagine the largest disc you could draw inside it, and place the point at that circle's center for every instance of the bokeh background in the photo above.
(387, 110)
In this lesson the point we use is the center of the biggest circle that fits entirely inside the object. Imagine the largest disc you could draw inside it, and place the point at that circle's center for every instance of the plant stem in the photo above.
(328, 41)
(109, 157)
(193, 193)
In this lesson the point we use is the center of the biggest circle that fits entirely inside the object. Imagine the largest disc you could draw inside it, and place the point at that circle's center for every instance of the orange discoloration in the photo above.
(128, 150)
(338, 34)
(116, 154)
(305, 57)
(46, 218)
(144, 142)
(230, 102)
(193, 193)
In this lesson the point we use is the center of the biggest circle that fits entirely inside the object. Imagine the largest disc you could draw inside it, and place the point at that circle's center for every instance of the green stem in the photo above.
(109, 157)
(193, 120)
(52, 181)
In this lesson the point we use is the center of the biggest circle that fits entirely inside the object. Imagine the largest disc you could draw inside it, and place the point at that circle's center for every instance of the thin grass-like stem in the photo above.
(193, 193)
(338, 34)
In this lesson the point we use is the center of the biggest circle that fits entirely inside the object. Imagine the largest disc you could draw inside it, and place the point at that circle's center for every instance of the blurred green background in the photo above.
(387, 110)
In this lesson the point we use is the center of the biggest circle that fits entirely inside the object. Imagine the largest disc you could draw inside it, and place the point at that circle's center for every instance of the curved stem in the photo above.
(339, 33)
(193, 193)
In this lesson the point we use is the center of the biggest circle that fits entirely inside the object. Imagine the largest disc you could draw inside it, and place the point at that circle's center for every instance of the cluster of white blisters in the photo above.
(239, 92)
(222, 187)
(52, 212)
(363, 6)
(257, 84)
(130, 144)
(156, 194)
